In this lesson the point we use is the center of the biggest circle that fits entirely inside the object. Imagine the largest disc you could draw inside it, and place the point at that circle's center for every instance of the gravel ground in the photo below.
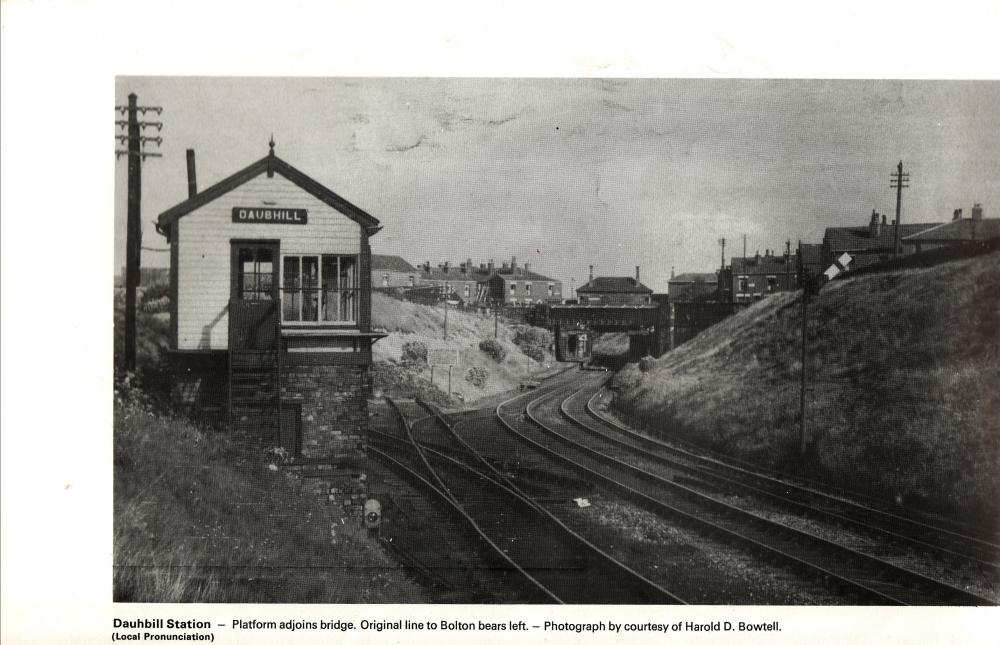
(700, 570)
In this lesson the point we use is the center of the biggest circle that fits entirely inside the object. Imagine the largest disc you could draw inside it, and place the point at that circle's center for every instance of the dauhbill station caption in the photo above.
(170, 629)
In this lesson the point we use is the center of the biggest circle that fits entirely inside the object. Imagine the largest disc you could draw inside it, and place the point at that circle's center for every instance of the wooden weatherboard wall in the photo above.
(203, 248)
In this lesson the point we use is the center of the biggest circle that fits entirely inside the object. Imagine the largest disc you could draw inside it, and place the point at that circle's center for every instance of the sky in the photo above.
(565, 173)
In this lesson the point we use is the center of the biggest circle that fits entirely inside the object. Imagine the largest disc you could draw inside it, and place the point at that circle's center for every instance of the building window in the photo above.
(465, 292)
(256, 271)
(527, 290)
(385, 280)
(319, 288)
(772, 283)
(411, 280)
(552, 289)
(744, 285)
(513, 289)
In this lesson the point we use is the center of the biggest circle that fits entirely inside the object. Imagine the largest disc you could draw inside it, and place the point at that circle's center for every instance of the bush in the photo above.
(155, 292)
(414, 352)
(645, 364)
(478, 376)
(157, 306)
(493, 349)
(533, 342)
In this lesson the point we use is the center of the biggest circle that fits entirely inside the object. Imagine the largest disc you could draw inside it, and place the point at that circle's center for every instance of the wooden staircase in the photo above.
(255, 390)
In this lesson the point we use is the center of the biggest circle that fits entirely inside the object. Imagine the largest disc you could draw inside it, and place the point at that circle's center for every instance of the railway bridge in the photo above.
(575, 325)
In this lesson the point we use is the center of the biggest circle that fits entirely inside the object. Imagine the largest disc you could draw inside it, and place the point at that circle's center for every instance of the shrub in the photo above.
(645, 364)
(155, 292)
(493, 349)
(157, 306)
(533, 342)
(478, 376)
(414, 352)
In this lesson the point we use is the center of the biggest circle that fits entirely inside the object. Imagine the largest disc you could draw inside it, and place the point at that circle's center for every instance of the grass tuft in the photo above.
(204, 516)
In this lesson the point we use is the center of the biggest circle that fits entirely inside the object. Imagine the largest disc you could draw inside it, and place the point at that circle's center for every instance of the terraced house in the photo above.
(520, 286)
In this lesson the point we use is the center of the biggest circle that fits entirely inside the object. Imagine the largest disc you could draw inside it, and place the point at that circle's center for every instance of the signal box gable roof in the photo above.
(270, 163)
(612, 284)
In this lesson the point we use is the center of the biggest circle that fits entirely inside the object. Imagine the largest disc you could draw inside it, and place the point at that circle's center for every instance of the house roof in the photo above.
(613, 284)
(859, 238)
(269, 163)
(696, 277)
(392, 263)
(957, 230)
(524, 276)
(763, 264)
(453, 274)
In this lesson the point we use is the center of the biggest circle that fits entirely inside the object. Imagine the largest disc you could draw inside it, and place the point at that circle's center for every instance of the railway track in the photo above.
(865, 577)
(551, 562)
(960, 545)
(681, 559)
(866, 530)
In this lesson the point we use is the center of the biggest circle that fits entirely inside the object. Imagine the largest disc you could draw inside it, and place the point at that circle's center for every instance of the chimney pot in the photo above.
(192, 182)
(977, 211)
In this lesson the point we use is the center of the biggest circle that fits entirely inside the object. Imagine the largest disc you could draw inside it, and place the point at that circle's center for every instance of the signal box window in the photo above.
(319, 289)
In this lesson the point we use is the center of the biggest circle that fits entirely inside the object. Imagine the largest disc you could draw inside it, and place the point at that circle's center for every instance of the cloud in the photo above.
(406, 148)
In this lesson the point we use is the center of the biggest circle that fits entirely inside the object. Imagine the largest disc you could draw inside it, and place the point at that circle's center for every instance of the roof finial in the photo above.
(271, 158)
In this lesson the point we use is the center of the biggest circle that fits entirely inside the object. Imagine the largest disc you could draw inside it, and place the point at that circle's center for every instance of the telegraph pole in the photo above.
(446, 293)
(900, 180)
(802, 386)
(135, 151)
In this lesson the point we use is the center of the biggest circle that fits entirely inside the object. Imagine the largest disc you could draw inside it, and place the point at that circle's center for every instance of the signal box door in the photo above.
(254, 302)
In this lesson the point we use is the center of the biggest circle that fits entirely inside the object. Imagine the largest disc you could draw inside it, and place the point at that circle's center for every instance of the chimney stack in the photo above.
(527, 267)
(591, 273)
(192, 182)
(637, 274)
(671, 272)
(957, 214)
(513, 262)
(874, 229)
(977, 211)
(490, 266)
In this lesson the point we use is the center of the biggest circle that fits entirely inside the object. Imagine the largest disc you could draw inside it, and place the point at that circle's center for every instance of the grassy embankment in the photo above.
(205, 516)
(904, 374)
(409, 322)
